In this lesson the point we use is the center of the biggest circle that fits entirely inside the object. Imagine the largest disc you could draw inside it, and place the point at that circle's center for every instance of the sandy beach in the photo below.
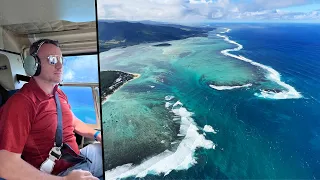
(135, 76)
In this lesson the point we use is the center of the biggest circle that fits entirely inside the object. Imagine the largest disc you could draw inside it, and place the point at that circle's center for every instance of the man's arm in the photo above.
(84, 130)
(15, 125)
(12, 167)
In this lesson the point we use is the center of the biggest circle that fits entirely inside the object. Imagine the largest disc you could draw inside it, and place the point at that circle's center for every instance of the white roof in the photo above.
(23, 22)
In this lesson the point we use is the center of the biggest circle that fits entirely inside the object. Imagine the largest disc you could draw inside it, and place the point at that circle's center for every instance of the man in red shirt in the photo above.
(28, 123)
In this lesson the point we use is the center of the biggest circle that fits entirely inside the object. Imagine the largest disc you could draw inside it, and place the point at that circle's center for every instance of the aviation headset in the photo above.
(32, 63)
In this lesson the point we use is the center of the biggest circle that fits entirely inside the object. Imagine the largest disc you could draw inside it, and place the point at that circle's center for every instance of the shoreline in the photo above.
(157, 42)
(135, 76)
(206, 34)
(207, 159)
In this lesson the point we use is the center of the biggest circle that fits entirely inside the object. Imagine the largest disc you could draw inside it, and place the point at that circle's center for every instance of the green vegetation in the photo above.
(123, 34)
(112, 80)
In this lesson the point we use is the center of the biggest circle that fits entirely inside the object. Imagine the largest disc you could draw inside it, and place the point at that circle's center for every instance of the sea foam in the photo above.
(208, 128)
(273, 75)
(168, 98)
(226, 30)
(220, 88)
(181, 159)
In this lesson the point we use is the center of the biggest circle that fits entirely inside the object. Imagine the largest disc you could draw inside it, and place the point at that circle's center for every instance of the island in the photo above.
(110, 81)
(162, 45)
(271, 90)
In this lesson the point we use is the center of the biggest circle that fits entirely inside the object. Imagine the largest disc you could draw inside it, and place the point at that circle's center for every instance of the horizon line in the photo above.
(221, 22)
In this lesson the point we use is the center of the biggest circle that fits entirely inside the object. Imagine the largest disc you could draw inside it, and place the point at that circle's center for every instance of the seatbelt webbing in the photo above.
(56, 152)
(59, 125)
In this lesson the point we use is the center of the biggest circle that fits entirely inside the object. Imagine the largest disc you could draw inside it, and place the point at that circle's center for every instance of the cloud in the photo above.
(200, 1)
(260, 5)
(81, 69)
(69, 75)
(277, 15)
(314, 15)
(141, 9)
(276, 4)
(199, 10)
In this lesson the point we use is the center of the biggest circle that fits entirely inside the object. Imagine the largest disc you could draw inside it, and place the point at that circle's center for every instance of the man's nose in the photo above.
(59, 65)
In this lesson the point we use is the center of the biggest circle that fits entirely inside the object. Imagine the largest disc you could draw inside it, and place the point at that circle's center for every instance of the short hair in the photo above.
(34, 48)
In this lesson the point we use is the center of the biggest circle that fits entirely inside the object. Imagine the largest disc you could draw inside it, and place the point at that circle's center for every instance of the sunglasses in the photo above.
(54, 59)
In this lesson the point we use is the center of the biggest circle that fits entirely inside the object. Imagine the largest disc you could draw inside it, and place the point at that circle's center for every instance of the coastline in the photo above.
(148, 33)
(135, 76)
(207, 160)
(152, 43)
(156, 44)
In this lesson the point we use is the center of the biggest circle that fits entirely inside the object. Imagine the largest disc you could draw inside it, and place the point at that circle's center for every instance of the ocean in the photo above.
(245, 102)
(82, 107)
(81, 69)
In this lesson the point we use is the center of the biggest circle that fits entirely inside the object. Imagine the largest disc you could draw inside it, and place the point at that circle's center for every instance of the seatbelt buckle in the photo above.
(55, 153)
(48, 165)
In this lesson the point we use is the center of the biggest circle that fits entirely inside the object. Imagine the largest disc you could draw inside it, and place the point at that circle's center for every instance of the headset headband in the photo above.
(37, 45)
(32, 63)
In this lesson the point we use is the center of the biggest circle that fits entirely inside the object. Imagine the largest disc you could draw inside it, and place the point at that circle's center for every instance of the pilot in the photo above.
(37, 126)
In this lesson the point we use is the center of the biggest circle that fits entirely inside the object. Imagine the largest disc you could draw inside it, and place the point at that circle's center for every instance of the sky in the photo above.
(81, 69)
(210, 10)
(77, 10)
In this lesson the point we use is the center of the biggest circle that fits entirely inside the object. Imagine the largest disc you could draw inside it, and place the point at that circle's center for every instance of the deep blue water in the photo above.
(291, 127)
(291, 49)
(277, 139)
(294, 51)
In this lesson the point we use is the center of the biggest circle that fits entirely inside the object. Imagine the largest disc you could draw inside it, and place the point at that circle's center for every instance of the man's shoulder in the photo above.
(62, 94)
(22, 96)
(19, 101)
(25, 95)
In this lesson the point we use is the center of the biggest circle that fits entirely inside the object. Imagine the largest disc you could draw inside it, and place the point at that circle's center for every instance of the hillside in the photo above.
(123, 34)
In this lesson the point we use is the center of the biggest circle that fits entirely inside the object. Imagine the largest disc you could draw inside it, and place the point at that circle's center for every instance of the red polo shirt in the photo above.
(28, 123)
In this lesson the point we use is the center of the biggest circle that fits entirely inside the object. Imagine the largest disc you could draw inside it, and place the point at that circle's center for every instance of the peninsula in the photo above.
(110, 81)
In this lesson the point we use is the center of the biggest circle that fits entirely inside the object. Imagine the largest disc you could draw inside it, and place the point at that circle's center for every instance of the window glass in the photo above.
(81, 69)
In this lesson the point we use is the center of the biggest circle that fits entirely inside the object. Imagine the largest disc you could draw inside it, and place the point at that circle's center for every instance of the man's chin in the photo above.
(57, 81)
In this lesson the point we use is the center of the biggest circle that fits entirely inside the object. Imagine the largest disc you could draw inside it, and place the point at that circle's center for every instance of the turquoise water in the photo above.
(82, 107)
(81, 69)
(236, 117)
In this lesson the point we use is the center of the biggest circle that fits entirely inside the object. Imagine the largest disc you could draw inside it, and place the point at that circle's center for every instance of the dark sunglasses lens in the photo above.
(54, 60)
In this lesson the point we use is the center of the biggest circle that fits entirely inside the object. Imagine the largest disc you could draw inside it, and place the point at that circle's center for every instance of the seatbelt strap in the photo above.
(59, 147)
(59, 126)
(55, 153)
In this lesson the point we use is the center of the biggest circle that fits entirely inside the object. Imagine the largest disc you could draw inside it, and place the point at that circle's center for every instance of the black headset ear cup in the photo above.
(38, 71)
